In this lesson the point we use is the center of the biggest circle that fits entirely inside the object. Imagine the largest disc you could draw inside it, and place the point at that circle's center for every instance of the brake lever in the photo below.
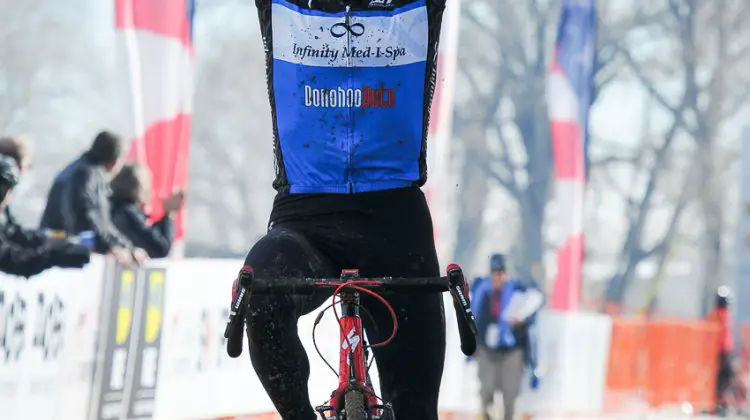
(237, 313)
(235, 309)
(458, 290)
(467, 327)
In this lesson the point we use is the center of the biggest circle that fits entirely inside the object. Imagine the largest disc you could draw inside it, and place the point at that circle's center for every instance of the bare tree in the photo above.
(502, 116)
(712, 51)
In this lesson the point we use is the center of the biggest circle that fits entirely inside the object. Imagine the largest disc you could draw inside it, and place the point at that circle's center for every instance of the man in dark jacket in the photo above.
(26, 252)
(79, 199)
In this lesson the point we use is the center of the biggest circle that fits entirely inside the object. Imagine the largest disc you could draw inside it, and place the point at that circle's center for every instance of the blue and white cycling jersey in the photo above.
(350, 88)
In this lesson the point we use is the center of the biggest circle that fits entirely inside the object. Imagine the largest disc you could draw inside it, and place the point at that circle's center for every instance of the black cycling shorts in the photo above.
(383, 233)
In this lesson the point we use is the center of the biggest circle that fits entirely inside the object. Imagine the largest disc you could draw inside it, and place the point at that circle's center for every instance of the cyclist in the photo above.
(350, 84)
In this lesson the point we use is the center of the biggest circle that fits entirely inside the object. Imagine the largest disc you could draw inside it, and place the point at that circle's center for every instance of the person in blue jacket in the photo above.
(505, 310)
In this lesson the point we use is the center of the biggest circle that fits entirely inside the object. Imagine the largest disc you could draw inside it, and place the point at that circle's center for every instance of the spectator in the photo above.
(25, 252)
(79, 200)
(722, 317)
(131, 190)
(505, 309)
(17, 149)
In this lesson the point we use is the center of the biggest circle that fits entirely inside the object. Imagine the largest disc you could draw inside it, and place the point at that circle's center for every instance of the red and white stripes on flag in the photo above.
(569, 91)
(157, 39)
(440, 131)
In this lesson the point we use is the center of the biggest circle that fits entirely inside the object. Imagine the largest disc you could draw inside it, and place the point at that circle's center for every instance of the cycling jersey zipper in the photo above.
(350, 88)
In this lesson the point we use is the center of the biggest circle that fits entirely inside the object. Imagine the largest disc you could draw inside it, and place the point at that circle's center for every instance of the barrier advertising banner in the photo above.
(109, 380)
(143, 372)
(47, 329)
(125, 379)
(195, 367)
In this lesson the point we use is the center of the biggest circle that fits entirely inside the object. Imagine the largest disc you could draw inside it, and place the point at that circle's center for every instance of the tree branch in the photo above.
(741, 17)
(638, 220)
(471, 15)
(507, 180)
(608, 160)
(640, 75)
(661, 248)
(612, 184)
(513, 191)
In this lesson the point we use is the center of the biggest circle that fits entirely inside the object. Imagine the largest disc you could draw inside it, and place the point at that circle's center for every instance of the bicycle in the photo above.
(354, 398)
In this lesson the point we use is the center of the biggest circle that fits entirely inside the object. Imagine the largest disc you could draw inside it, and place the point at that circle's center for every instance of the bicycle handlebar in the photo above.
(454, 282)
(310, 285)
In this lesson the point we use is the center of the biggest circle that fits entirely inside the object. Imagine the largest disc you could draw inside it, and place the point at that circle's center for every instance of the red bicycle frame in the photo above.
(352, 360)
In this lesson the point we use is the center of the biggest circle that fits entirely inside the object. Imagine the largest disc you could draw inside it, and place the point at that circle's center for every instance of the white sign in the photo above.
(47, 337)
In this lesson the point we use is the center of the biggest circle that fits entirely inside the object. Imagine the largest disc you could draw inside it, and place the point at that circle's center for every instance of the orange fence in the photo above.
(662, 363)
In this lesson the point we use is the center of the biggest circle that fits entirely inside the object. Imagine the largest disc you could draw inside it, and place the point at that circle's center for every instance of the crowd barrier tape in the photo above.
(115, 343)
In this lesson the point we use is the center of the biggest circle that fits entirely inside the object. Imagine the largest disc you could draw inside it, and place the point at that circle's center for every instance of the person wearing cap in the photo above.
(505, 310)
(79, 200)
(722, 317)
(25, 254)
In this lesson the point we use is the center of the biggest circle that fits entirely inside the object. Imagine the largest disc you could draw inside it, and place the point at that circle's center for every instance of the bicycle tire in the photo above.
(354, 406)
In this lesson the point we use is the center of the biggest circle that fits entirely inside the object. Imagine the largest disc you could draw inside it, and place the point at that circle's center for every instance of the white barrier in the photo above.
(573, 353)
(47, 337)
(155, 350)
(197, 380)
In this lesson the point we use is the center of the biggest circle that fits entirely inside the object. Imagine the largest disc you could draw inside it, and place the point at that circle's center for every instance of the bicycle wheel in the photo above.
(354, 404)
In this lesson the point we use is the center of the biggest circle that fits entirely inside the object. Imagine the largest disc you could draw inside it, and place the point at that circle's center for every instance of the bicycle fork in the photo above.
(353, 355)
(352, 363)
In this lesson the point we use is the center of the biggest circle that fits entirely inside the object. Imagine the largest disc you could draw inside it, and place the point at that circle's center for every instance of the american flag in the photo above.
(157, 38)
(569, 91)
